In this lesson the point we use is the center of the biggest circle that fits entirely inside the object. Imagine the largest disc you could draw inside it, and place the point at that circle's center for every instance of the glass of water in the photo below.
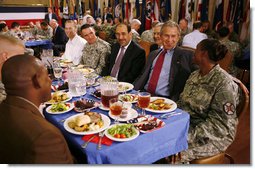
(80, 87)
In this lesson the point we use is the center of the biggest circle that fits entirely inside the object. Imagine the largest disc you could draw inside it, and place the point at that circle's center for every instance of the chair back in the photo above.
(226, 61)
(244, 101)
(216, 159)
(146, 46)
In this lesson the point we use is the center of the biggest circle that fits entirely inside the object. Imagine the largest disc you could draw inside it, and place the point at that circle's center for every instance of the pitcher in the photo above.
(109, 90)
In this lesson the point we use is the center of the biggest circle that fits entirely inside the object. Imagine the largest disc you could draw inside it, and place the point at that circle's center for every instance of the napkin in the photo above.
(105, 140)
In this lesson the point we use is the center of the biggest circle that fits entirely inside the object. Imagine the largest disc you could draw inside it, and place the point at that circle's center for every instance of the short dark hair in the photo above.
(197, 25)
(15, 24)
(85, 26)
(216, 50)
(223, 31)
(2, 26)
(43, 23)
(128, 26)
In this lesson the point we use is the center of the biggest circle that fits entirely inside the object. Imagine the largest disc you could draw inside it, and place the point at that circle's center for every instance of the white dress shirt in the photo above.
(193, 38)
(74, 49)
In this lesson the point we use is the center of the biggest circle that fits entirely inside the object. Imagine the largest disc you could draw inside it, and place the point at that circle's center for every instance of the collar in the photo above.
(125, 47)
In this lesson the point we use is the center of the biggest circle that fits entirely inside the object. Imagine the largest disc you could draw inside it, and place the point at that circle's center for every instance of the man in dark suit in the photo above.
(50, 15)
(59, 38)
(26, 136)
(167, 69)
(127, 59)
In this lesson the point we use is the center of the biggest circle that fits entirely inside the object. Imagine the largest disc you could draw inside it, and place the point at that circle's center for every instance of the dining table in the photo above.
(147, 148)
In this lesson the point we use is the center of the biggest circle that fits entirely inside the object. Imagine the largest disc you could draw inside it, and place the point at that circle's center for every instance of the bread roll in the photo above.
(81, 120)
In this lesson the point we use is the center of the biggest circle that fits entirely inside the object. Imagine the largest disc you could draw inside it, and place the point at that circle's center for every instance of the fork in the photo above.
(101, 135)
(84, 145)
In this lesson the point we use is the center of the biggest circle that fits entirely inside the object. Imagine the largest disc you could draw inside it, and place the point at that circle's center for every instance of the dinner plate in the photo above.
(103, 108)
(132, 113)
(86, 71)
(69, 97)
(71, 106)
(105, 119)
(96, 104)
(133, 98)
(121, 139)
(125, 87)
(172, 108)
(149, 119)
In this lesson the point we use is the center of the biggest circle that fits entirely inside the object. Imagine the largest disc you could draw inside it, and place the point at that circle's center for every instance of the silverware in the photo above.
(101, 135)
(84, 145)
(165, 116)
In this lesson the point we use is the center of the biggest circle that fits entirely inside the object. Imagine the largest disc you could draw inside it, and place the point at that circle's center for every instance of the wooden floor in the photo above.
(240, 148)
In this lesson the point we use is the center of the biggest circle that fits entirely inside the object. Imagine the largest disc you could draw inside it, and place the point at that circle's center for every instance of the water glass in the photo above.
(80, 87)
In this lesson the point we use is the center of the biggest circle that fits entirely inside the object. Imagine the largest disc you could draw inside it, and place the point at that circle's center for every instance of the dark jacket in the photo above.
(181, 68)
(131, 65)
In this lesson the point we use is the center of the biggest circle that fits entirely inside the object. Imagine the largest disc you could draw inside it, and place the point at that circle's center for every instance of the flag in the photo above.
(182, 10)
(246, 22)
(168, 9)
(204, 10)
(143, 18)
(99, 8)
(188, 12)
(156, 10)
(218, 14)
(78, 8)
(137, 6)
(65, 7)
(148, 9)
(127, 10)
(199, 10)
(238, 15)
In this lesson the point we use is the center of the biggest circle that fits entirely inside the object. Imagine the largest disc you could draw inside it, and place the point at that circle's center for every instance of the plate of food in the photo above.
(161, 105)
(130, 114)
(59, 96)
(85, 104)
(147, 123)
(96, 94)
(130, 98)
(125, 87)
(87, 123)
(59, 108)
(122, 132)
(86, 71)
(63, 87)
(65, 63)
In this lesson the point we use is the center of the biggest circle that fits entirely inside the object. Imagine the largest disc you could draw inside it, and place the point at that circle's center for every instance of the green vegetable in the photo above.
(59, 107)
(127, 129)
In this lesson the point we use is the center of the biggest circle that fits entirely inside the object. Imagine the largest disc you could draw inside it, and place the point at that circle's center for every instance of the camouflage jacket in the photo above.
(135, 36)
(2, 92)
(147, 36)
(94, 55)
(211, 101)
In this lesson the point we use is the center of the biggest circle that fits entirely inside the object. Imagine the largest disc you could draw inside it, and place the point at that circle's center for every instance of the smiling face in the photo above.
(89, 35)
(156, 35)
(169, 37)
(70, 29)
(122, 35)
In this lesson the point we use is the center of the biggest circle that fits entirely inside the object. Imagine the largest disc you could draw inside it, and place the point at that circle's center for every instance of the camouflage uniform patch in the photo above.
(2, 92)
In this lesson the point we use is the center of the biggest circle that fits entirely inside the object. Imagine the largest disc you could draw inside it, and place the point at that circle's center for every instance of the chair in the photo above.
(146, 46)
(226, 61)
(242, 107)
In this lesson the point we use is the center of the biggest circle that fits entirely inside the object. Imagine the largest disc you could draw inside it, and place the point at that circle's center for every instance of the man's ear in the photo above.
(37, 80)
(4, 56)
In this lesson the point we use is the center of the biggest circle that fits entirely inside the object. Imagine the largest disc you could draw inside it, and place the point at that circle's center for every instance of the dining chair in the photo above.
(146, 46)
(242, 108)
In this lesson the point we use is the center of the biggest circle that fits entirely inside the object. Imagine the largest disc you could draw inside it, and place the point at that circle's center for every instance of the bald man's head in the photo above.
(9, 47)
(25, 75)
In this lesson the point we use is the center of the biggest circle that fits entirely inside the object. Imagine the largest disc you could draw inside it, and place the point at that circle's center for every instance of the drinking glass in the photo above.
(57, 73)
(115, 108)
(143, 101)
(80, 87)
(109, 90)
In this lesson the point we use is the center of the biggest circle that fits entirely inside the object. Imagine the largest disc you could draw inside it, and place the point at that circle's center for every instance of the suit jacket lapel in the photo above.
(174, 68)
(127, 53)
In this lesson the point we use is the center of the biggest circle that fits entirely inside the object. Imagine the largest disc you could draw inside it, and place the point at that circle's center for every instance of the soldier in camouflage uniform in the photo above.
(95, 51)
(10, 46)
(210, 97)
(233, 47)
(135, 26)
(147, 36)
(46, 32)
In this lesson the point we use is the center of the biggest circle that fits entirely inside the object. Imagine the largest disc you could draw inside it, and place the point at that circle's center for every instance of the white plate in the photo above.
(71, 106)
(159, 123)
(69, 97)
(103, 108)
(129, 87)
(131, 114)
(173, 107)
(121, 139)
(105, 119)
(133, 101)
(86, 71)
(96, 104)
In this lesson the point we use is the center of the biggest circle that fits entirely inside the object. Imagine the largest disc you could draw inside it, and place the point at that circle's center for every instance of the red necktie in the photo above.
(156, 72)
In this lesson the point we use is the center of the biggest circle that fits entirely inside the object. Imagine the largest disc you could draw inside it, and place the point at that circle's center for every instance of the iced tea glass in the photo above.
(115, 108)
(143, 101)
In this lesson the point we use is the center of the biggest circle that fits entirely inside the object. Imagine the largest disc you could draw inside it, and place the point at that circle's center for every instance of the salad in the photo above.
(122, 131)
(59, 107)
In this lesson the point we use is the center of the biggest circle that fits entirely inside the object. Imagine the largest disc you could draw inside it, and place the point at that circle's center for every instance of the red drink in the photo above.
(143, 101)
(116, 109)
(108, 95)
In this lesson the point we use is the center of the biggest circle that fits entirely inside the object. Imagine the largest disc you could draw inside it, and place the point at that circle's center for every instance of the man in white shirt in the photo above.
(192, 39)
(75, 44)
